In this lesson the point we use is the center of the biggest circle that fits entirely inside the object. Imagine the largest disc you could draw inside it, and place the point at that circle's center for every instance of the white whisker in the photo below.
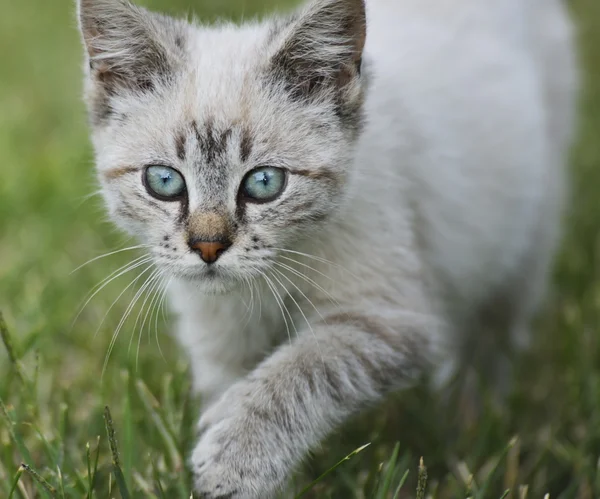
(250, 309)
(119, 297)
(307, 266)
(301, 312)
(309, 280)
(154, 292)
(318, 259)
(158, 312)
(131, 248)
(303, 295)
(125, 316)
(279, 304)
(138, 262)
(164, 305)
(255, 284)
(151, 284)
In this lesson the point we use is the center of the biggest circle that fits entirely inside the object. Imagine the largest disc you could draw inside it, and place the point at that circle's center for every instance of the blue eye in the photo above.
(264, 184)
(164, 182)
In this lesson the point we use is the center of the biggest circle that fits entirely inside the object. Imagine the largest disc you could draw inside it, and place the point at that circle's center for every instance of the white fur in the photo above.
(452, 207)
(469, 117)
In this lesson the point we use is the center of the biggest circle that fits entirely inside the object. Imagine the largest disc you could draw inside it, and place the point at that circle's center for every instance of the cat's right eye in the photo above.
(164, 182)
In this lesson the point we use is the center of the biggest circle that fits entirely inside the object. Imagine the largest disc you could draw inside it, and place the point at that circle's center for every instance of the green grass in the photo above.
(53, 430)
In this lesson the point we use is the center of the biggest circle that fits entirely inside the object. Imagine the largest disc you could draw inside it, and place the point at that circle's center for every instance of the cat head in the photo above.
(218, 146)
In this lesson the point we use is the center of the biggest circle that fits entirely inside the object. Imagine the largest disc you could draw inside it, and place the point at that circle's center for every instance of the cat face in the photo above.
(219, 146)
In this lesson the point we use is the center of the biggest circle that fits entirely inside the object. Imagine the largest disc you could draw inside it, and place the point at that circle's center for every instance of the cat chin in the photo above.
(210, 284)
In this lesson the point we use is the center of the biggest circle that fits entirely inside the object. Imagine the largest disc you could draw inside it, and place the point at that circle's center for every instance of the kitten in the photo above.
(344, 200)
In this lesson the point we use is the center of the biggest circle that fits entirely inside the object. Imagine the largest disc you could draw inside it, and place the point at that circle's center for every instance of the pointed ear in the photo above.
(323, 48)
(127, 47)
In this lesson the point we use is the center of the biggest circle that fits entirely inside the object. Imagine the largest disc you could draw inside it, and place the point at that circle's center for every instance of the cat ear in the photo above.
(323, 48)
(127, 47)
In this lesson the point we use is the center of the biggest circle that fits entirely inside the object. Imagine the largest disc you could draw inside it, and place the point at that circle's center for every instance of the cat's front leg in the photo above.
(263, 426)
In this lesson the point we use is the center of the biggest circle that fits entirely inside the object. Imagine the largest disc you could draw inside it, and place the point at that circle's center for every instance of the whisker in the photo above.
(131, 248)
(318, 259)
(164, 305)
(154, 291)
(125, 316)
(301, 292)
(309, 280)
(158, 311)
(158, 294)
(151, 283)
(119, 297)
(300, 309)
(244, 280)
(87, 197)
(307, 266)
(293, 299)
(278, 300)
(138, 262)
(255, 284)
(138, 294)
(297, 305)
(250, 309)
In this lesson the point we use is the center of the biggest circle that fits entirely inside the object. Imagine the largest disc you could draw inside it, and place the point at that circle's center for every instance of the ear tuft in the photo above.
(127, 48)
(323, 49)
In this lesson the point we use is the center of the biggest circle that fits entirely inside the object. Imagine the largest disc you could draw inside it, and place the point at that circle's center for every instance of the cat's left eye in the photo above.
(264, 184)
(164, 182)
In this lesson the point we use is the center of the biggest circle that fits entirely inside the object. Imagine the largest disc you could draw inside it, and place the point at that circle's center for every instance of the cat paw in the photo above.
(216, 474)
(238, 455)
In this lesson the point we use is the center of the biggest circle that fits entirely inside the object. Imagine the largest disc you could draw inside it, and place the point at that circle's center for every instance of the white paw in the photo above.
(238, 455)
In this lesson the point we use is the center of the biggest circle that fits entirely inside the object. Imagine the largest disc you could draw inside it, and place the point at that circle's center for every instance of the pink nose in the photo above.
(210, 251)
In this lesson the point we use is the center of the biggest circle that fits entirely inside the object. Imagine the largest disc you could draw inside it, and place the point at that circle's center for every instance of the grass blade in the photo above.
(421, 481)
(16, 482)
(151, 405)
(332, 469)
(16, 437)
(88, 460)
(390, 471)
(157, 481)
(92, 475)
(8, 345)
(490, 477)
(401, 484)
(40, 480)
(61, 485)
(112, 442)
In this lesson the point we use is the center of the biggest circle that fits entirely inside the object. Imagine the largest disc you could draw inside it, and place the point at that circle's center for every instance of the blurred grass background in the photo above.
(53, 397)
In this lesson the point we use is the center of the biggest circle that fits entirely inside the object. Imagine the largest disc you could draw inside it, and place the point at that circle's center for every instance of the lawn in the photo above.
(545, 439)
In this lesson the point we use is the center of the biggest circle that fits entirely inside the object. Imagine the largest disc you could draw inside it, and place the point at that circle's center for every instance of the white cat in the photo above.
(344, 201)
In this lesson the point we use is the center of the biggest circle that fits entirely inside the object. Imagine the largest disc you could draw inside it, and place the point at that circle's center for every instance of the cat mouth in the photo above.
(214, 281)
(209, 277)
(206, 273)
(211, 274)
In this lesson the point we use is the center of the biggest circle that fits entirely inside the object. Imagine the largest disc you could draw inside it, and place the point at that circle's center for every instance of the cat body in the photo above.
(422, 149)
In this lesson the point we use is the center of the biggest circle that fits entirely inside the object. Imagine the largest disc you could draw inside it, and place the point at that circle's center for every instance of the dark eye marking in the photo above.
(212, 143)
(115, 173)
(180, 141)
(245, 145)
(150, 202)
(322, 174)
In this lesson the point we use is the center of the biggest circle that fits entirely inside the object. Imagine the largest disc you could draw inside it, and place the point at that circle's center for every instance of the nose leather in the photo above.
(210, 251)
